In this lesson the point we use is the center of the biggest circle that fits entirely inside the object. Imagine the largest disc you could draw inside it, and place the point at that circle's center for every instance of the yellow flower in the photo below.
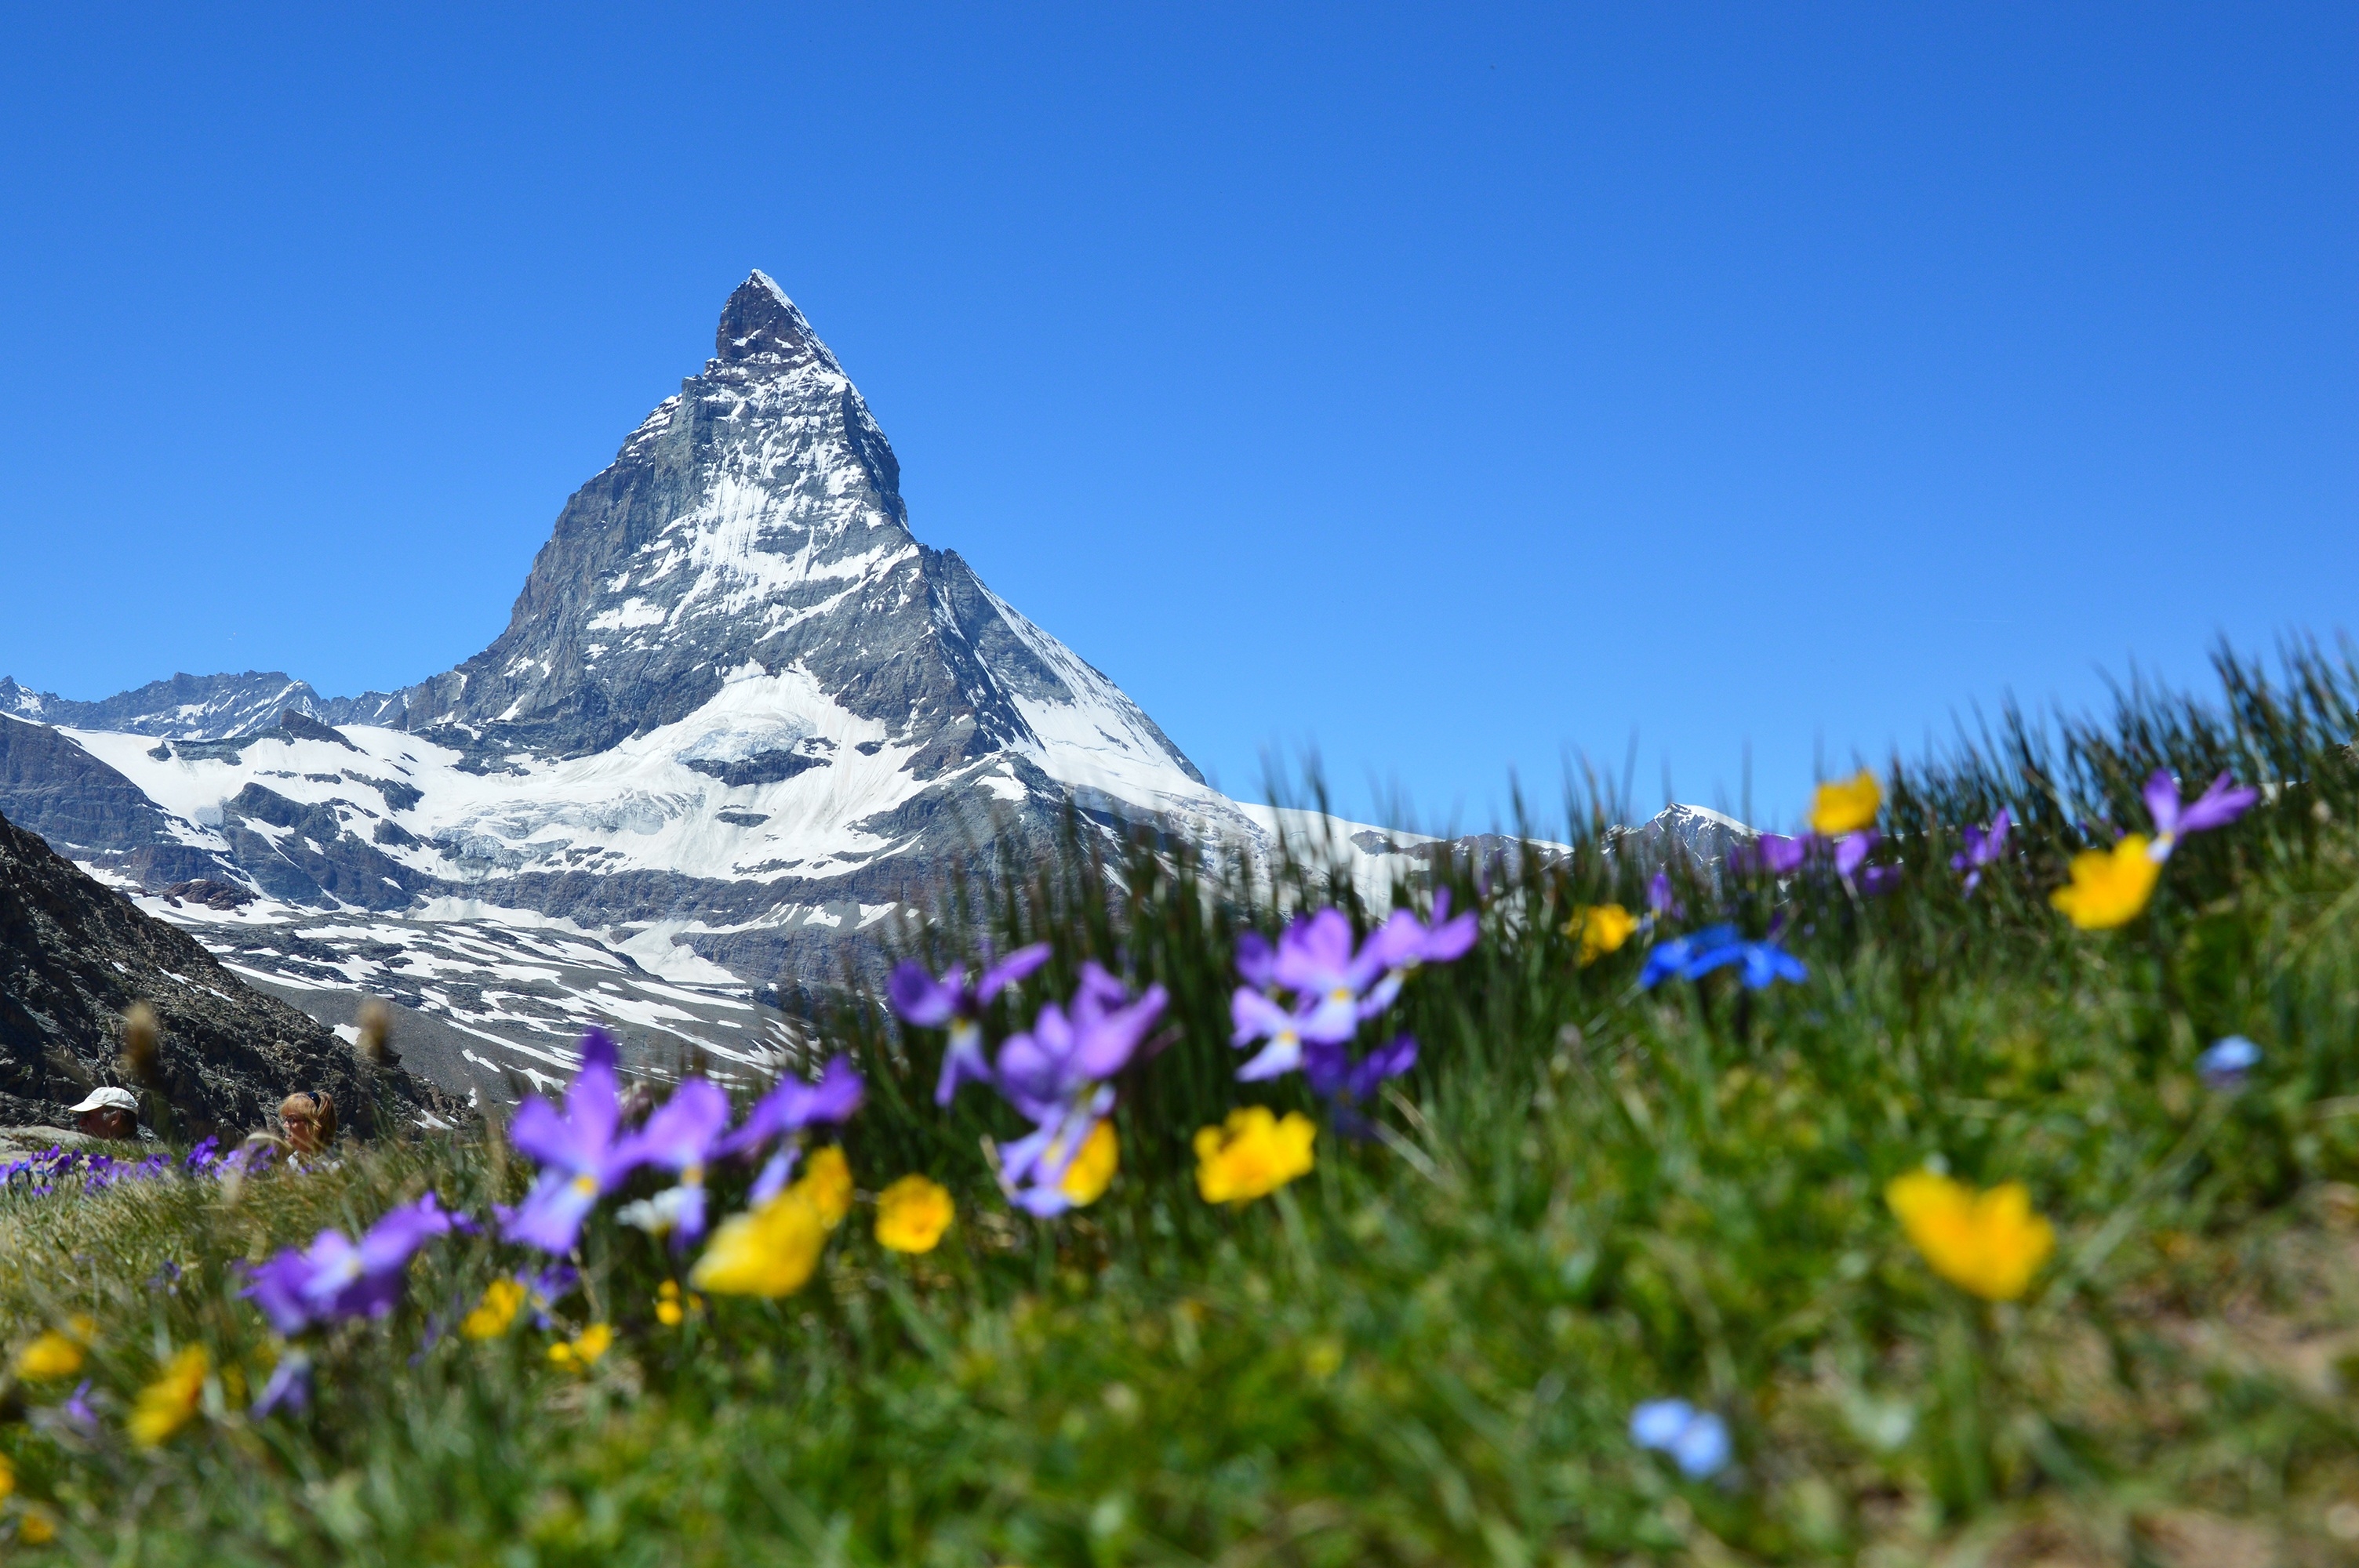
(1846, 806)
(497, 1310)
(1990, 1243)
(36, 1528)
(56, 1354)
(1601, 929)
(2109, 887)
(672, 1308)
(7, 1477)
(912, 1214)
(166, 1404)
(587, 1346)
(1086, 1179)
(769, 1251)
(826, 1185)
(1251, 1156)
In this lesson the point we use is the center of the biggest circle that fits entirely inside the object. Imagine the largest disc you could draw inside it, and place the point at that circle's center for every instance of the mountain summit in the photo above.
(760, 322)
(752, 530)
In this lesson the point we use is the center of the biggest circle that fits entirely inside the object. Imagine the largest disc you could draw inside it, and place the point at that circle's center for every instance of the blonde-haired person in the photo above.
(310, 1121)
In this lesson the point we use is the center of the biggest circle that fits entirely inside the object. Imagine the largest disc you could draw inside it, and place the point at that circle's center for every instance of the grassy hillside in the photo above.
(1585, 1196)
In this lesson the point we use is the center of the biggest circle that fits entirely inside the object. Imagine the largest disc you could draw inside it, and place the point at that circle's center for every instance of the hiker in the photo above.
(107, 1113)
(310, 1121)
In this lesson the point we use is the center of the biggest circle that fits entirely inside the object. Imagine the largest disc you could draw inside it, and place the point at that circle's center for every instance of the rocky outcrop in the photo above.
(90, 811)
(74, 955)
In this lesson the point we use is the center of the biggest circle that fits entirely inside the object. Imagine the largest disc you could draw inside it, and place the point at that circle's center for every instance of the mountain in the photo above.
(75, 955)
(740, 716)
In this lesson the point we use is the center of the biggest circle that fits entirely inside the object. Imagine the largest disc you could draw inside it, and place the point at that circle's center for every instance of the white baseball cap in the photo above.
(107, 1099)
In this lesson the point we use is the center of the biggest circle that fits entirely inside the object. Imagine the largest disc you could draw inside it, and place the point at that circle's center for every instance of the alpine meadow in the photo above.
(1967, 1178)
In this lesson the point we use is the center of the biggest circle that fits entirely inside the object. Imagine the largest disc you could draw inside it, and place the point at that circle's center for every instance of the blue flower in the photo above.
(1671, 958)
(1762, 964)
(2225, 1063)
(1715, 948)
(1697, 1441)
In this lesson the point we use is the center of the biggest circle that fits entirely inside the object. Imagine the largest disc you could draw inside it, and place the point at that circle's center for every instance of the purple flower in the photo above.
(1258, 1017)
(1334, 1076)
(2226, 1062)
(1403, 942)
(1781, 855)
(1661, 903)
(579, 1158)
(794, 1105)
(1056, 1074)
(1337, 985)
(1044, 1070)
(1696, 1440)
(681, 1136)
(2217, 806)
(1852, 850)
(289, 1386)
(1985, 847)
(545, 1289)
(335, 1278)
(1851, 863)
(1257, 960)
(76, 1408)
(1336, 989)
(247, 1160)
(951, 1002)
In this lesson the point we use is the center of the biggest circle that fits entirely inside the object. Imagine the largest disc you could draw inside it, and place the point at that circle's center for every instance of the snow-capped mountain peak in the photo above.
(761, 325)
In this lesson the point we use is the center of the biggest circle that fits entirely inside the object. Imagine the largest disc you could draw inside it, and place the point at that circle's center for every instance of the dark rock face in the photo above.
(211, 894)
(762, 767)
(74, 955)
(302, 726)
(91, 812)
(313, 859)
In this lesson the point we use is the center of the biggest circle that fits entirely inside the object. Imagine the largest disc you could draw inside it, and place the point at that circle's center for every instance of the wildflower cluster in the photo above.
(1336, 989)
(60, 1169)
(1323, 995)
(2111, 887)
(1306, 1000)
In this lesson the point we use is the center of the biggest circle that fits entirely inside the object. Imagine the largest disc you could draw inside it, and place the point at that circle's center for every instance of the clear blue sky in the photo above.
(1453, 389)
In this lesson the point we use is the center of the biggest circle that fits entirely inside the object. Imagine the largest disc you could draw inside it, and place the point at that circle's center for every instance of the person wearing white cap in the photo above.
(107, 1113)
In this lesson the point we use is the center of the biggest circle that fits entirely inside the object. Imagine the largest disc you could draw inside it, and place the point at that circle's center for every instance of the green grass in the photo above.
(1428, 1351)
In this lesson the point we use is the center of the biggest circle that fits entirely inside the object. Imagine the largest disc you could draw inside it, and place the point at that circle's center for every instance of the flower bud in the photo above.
(142, 1060)
(375, 1032)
